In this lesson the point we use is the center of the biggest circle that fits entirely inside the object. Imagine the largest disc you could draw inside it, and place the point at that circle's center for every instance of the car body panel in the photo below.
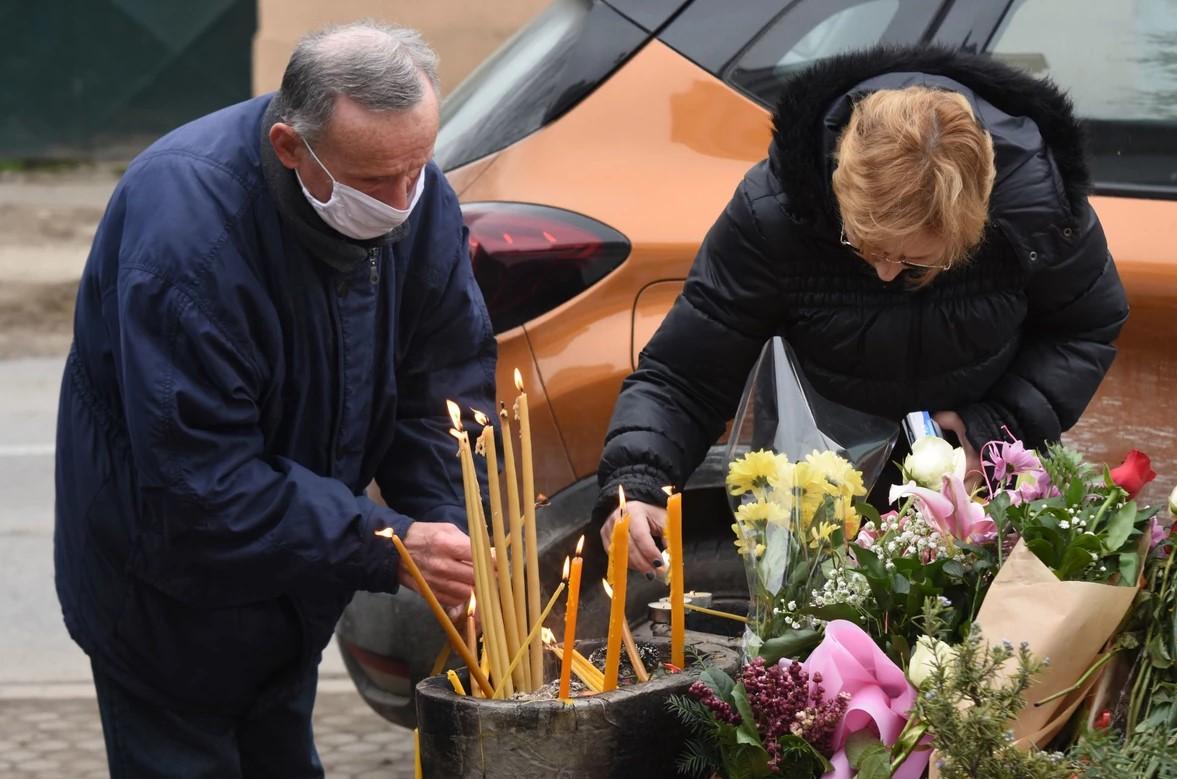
(655, 165)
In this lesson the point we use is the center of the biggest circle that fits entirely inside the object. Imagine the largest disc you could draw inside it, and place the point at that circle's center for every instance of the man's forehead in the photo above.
(381, 135)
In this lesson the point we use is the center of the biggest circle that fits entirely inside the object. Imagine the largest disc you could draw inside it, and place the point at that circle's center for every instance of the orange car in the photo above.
(596, 148)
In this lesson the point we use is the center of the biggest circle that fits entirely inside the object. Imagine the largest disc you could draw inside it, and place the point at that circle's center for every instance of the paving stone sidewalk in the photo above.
(48, 739)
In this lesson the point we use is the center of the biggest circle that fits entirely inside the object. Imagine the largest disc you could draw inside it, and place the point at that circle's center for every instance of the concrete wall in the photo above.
(464, 32)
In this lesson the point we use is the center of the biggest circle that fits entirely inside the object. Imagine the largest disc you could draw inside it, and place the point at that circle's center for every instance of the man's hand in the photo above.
(442, 552)
(950, 420)
(645, 522)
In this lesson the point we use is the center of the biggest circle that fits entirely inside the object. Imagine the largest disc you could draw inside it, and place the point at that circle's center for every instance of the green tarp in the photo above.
(103, 78)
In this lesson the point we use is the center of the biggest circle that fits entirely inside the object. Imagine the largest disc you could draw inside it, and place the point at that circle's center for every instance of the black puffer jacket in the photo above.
(1020, 337)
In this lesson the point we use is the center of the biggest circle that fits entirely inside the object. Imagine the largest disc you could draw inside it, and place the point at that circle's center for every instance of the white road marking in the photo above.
(27, 450)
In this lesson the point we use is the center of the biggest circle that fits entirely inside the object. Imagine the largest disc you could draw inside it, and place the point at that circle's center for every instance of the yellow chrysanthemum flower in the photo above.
(745, 542)
(821, 534)
(837, 471)
(850, 518)
(760, 512)
(759, 470)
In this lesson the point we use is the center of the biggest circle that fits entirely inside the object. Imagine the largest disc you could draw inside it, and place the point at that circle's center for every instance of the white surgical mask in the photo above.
(355, 214)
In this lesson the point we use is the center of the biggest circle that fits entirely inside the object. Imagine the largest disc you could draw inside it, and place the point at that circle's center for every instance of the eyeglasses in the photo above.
(875, 256)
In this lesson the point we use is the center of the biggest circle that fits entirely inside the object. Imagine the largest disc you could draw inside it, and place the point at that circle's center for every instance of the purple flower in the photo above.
(1157, 533)
(1031, 485)
(1009, 459)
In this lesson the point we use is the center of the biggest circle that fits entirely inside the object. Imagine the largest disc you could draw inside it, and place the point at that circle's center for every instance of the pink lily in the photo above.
(951, 510)
(969, 521)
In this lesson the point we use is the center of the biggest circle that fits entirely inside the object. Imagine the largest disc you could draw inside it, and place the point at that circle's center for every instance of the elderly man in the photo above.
(276, 306)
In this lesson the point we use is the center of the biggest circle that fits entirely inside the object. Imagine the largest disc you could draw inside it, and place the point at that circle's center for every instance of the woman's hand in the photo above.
(950, 420)
(645, 522)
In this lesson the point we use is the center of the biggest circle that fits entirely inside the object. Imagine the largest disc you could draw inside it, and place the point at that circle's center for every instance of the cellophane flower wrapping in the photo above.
(796, 465)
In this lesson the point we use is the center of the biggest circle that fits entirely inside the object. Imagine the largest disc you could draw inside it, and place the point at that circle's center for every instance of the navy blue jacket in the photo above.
(240, 373)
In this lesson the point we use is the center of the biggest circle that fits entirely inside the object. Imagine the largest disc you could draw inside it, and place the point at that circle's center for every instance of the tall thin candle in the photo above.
(674, 543)
(480, 549)
(631, 647)
(471, 627)
(618, 570)
(486, 445)
(537, 628)
(515, 523)
(439, 614)
(532, 545)
(570, 611)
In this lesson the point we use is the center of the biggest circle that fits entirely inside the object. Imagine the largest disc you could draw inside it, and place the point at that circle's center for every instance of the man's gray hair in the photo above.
(377, 65)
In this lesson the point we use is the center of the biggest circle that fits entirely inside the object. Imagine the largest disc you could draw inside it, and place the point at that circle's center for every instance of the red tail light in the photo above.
(528, 259)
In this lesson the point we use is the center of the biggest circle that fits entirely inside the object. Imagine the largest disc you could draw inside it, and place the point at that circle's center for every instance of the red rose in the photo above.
(1135, 472)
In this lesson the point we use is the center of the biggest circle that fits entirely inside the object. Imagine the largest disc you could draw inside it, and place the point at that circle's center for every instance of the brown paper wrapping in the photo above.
(1067, 622)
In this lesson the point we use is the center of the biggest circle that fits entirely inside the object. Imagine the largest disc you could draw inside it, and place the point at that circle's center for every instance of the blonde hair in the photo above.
(911, 160)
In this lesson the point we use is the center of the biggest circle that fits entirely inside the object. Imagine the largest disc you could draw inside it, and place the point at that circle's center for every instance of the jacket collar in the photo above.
(815, 104)
(335, 249)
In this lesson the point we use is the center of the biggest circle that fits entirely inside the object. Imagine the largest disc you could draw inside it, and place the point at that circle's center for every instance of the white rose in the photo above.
(1173, 502)
(932, 459)
(928, 652)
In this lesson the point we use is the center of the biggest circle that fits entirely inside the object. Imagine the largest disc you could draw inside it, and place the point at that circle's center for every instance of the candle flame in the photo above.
(455, 414)
(518, 380)
(668, 490)
(621, 498)
(567, 568)
(608, 589)
(548, 636)
(472, 606)
(385, 533)
(480, 418)
(580, 546)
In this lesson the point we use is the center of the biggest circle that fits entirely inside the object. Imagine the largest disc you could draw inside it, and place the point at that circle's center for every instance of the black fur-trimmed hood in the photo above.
(803, 138)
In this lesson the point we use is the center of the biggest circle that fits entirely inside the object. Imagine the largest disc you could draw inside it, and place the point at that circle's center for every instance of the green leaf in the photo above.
(1044, 551)
(858, 743)
(1129, 568)
(747, 735)
(832, 612)
(718, 680)
(744, 707)
(875, 764)
(792, 644)
(900, 585)
(796, 750)
(954, 569)
(869, 564)
(1074, 561)
(1121, 526)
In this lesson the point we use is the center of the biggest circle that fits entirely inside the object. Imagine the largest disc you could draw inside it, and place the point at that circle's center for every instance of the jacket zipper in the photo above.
(373, 268)
(340, 381)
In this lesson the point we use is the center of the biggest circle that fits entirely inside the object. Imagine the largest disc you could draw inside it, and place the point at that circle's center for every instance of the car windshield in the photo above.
(537, 75)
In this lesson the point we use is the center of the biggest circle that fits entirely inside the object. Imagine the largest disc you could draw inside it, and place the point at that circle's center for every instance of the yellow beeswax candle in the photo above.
(439, 614)
(570, 612)
(677, 613)
(618, 569)
(532, 545)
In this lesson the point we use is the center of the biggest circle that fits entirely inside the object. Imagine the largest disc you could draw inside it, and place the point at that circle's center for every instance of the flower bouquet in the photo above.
(1016, 624)
(793, 490)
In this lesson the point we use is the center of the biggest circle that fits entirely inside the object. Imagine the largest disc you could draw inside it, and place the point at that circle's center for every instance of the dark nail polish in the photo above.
(656, 562)
(649, 577)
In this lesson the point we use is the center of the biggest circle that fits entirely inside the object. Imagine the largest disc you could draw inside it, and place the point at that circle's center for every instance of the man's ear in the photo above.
(287, 144)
